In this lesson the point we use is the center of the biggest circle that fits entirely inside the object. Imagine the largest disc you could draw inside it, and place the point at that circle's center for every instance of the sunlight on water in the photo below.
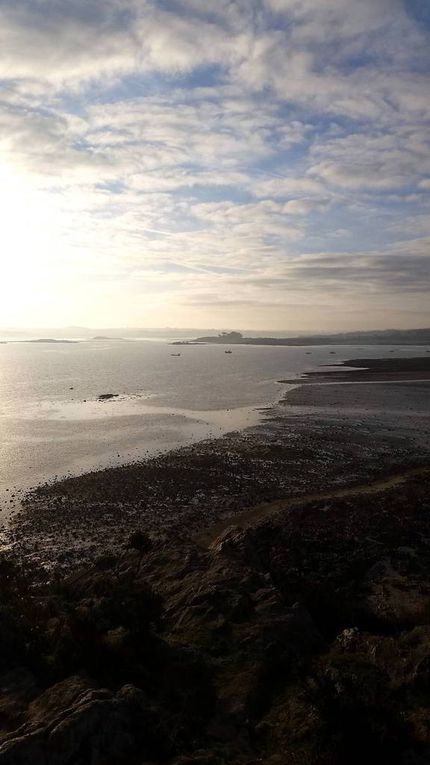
(53, 422)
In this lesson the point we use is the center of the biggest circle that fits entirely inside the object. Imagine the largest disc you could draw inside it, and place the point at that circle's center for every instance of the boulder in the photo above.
(25, 749)
(75, 722)
(101, 727)
(17, 688)
(404, 658)
(237, 543)
(59, 697)
(395, 595)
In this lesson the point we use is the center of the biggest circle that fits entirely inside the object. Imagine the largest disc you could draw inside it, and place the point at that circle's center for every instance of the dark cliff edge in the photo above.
(304, 639)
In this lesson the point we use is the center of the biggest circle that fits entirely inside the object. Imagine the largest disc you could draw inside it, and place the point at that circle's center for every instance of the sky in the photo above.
(235, 163)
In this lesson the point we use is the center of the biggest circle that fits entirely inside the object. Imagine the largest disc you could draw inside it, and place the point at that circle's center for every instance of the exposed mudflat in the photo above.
(319, 438)
(372, 370)
(278, 611)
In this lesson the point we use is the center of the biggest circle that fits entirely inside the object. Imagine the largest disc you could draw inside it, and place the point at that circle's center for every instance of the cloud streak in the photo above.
(171, 156)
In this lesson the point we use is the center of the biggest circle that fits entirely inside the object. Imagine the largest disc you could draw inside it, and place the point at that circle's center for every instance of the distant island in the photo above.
(48, 340)
(376, 337)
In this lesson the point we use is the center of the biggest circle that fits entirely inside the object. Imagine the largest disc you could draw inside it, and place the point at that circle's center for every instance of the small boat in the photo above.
(228, 351)
(175, 354)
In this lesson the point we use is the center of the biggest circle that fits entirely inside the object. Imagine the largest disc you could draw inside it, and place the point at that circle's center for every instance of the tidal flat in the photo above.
(322, 435)
(261, 598)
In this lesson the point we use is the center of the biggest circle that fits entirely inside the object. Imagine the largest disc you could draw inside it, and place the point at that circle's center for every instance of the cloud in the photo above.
(305, 205)
(250, 151)
(65, 43)
(398, 271)
(380, 160)
(69, 44)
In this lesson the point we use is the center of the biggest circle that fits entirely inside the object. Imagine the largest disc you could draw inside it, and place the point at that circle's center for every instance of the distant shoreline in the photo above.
(387, 337)
(47, 340)
(190, 489)
(370, 370)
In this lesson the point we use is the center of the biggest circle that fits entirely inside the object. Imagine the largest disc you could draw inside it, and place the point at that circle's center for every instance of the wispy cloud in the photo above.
(176, 160)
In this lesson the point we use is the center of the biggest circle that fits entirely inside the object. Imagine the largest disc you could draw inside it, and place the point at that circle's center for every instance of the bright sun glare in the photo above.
(31, 254)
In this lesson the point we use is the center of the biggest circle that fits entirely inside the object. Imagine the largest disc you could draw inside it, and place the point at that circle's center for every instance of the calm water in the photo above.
(52, 423)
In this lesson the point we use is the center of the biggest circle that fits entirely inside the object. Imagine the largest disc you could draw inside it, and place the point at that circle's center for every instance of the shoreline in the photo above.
(264, 597)
(197, 426)
(135, 438)
(314, 439)
(370, 370)
(304, 639)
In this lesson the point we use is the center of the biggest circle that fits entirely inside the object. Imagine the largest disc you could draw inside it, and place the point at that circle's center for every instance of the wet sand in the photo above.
(319, 438)
(371, 370)
(278, 612)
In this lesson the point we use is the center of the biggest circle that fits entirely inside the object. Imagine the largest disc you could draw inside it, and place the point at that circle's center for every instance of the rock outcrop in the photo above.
(304, 641)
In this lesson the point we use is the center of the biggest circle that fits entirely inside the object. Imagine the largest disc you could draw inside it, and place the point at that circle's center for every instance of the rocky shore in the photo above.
(303, 640)
(262, 598)
(319, 437)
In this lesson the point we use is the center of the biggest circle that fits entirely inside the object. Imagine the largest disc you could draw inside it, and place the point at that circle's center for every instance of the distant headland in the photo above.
(377, 337)
(48, 340)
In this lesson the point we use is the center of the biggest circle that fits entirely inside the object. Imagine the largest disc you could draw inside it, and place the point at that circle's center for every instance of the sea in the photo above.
(53, 423)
